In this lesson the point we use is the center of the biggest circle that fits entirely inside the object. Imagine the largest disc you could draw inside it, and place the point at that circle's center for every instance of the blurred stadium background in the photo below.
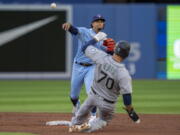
(36, 54)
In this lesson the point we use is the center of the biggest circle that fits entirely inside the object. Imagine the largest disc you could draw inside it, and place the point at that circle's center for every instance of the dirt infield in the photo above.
(120, 125)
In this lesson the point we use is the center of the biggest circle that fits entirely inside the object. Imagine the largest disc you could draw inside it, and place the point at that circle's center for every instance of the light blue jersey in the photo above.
(83, 74)
(85, 35)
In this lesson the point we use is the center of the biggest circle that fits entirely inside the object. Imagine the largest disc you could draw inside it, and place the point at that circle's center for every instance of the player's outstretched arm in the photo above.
(129, 109)
(98, 37)
(68, 27)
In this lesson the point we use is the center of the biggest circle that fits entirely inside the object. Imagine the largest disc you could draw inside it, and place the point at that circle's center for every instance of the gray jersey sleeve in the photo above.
(125, 84)
(95, 54)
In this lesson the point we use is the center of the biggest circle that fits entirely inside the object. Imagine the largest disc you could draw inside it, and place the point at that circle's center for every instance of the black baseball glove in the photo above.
(132, 114)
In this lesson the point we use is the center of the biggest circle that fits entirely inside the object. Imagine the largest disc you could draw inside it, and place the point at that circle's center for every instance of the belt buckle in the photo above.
(84, 64)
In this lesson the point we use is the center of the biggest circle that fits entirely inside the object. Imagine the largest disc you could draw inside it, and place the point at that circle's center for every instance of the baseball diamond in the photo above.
(90, 67)
(158, 108)
(121, 125)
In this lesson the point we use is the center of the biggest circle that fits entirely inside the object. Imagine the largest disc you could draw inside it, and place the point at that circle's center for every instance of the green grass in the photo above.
(149, 96)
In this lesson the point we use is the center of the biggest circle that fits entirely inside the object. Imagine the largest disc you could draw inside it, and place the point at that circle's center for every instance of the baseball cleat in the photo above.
(79, 128)
(73, 129)
(84, 127)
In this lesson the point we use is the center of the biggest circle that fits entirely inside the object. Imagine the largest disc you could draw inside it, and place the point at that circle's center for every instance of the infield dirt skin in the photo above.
(120, 125)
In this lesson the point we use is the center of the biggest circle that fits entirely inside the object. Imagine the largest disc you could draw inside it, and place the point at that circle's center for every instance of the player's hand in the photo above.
(132, 114)
(100, 36)
(110, 44)
(66, 26)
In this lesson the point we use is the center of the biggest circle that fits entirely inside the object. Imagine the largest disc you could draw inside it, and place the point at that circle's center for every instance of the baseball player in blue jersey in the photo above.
(83, 67)
(110, 80)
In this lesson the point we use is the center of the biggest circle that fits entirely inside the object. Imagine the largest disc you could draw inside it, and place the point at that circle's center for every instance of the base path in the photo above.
(120, 125)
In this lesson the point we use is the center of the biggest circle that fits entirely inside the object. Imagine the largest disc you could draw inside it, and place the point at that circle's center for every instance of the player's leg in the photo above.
(76, 84)
(106, 112)
(78, 122)
(88, 80)
(83, 112)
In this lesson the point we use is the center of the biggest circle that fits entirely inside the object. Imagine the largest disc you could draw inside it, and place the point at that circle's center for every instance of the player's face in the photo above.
(98, 25)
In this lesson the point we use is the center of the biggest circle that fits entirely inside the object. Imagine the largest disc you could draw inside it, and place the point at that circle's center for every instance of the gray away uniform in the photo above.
(110, 80)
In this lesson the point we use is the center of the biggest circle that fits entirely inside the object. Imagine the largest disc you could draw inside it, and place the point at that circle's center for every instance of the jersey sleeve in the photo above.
(82, 30)
(82, 34)
(125, 84)
(94, 53)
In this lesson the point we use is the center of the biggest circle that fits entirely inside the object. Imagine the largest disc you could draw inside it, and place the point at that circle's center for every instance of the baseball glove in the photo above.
(110, 44)
(132, 114)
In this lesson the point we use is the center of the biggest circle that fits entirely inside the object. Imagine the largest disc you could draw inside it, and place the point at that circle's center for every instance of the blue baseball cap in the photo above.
(98, 17)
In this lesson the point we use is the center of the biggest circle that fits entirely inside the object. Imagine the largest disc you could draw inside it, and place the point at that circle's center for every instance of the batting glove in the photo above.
(132, 114)
(100, 36)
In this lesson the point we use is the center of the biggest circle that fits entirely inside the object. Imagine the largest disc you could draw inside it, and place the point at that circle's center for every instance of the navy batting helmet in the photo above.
(98, 17)
(122, 49)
